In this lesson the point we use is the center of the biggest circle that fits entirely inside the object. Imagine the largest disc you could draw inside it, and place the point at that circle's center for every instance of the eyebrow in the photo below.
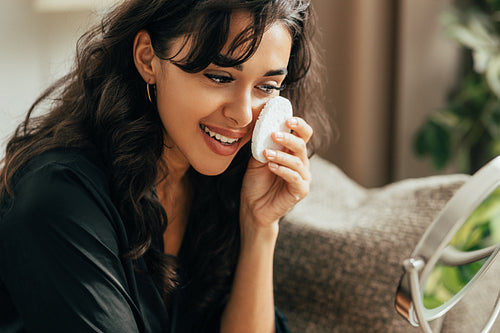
(281, 71)
(239, 67)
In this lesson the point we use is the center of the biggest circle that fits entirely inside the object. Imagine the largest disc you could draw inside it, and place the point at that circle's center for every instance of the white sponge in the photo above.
(272, 118)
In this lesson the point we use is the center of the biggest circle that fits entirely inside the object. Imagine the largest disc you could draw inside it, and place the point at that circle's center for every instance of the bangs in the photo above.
(207, 33)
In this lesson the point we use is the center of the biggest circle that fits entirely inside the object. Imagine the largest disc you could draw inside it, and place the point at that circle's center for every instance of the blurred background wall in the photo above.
(388, 66)
(38, 39)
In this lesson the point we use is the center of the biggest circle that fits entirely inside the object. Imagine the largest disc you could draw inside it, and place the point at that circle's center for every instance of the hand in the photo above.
(271, 189)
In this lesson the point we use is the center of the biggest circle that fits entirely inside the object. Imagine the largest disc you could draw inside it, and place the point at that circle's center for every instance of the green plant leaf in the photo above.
(433, 140)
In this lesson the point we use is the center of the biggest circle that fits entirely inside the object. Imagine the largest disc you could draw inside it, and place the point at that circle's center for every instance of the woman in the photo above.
(133, 204)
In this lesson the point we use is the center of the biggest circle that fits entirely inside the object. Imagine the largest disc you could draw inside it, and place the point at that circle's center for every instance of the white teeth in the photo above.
(218, 137)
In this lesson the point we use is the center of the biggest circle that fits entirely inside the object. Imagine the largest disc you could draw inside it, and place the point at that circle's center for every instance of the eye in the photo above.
(269, 88)
(221, 79)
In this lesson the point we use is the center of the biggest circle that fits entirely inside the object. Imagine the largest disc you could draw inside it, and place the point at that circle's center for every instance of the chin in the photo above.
(211, 169)
(216, 166)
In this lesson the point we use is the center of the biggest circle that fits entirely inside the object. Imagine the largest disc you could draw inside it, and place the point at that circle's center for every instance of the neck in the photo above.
(172, 186)
(176, 166)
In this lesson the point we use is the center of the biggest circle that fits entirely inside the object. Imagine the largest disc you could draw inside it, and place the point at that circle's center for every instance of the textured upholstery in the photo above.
(339, 253)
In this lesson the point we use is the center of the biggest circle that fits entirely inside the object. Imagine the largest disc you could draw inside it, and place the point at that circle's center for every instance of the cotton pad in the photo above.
(272, 118)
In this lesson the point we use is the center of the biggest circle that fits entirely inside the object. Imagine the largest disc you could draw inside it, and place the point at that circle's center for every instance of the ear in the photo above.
(144, 56)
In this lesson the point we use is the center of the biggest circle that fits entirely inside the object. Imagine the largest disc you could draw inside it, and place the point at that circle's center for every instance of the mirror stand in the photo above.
(455, 251)
(413, 267)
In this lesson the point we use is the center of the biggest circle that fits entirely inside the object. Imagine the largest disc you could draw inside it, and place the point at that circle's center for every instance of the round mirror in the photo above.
(456, 249)
(464, 257)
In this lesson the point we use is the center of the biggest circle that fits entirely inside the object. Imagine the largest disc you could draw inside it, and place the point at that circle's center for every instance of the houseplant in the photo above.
(466, 133)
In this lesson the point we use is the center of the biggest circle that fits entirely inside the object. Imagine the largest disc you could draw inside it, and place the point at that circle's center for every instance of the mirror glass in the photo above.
(466, 254)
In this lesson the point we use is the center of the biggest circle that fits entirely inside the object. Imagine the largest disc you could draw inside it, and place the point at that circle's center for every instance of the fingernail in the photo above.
(278, 136)
(293, 122)
(270, 153)
(273, 165)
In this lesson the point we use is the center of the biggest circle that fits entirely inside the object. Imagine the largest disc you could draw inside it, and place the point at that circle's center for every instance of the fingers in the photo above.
(293, 143)
(298, 187)
(290, 161)
(296, 142)
(292, 165)
(300, 128)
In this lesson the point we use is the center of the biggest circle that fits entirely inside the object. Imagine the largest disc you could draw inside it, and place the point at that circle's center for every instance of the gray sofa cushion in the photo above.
(339, 253)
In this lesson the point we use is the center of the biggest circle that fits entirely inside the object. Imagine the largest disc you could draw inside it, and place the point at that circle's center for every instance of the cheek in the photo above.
(173, 105)
(184, 101)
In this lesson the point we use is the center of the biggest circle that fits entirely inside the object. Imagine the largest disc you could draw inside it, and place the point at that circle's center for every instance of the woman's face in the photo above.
(210, 115)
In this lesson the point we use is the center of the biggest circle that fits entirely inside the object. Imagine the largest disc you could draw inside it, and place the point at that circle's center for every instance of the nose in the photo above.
(240, 109)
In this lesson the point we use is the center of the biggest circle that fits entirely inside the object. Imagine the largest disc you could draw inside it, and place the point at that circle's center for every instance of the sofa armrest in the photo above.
(339, 254)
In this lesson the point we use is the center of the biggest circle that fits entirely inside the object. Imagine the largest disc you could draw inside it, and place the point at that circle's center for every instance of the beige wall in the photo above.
(336, 25)
(38, 47)
(388, 66)
(427, 70)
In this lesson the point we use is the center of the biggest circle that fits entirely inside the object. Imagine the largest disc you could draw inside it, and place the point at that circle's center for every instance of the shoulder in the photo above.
(63, 191)
(57, 174)
(58, 164)
(62, 239)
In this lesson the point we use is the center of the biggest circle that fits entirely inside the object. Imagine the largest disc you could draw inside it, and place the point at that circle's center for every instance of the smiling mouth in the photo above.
(221, 138)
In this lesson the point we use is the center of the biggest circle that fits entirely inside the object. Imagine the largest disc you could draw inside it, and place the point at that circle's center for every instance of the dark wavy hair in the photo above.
(102, 103)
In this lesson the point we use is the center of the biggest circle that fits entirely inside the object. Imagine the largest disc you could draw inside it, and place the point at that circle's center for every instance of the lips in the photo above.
(219, 137)
(221, 141)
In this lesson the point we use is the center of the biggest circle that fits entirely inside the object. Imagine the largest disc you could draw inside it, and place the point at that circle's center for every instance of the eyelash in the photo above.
(269, 89)
(221, 79)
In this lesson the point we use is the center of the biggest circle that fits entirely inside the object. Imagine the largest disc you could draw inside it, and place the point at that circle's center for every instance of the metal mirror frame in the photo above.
(433, 243)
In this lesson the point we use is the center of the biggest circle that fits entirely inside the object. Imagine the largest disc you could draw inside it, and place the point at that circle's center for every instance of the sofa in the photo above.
(338, 259)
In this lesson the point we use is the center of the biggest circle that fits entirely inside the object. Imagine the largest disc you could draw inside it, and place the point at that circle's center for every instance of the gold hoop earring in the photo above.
(149, 93)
